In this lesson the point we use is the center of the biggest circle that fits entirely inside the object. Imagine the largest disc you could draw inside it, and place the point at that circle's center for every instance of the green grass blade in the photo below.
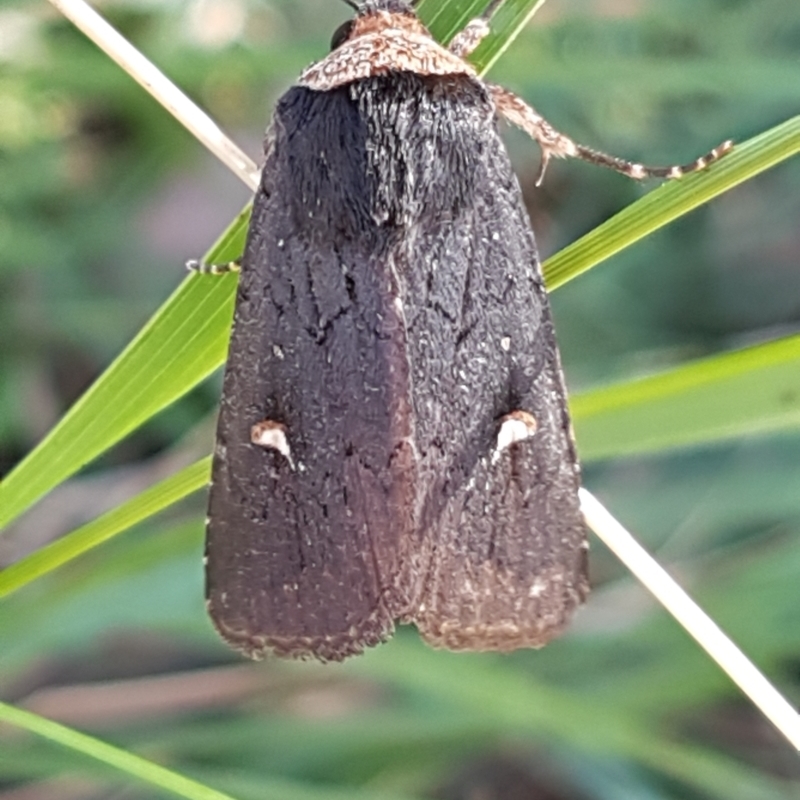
(115, 757)
(144, 505)
(445, 20)
(672, 200)
(184, 342)
(753, 390)
(230, 244)
(163, 778)
(181, 345)
(507, 23)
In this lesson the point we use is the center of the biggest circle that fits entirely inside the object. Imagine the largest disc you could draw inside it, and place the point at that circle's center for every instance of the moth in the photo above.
(394, 443)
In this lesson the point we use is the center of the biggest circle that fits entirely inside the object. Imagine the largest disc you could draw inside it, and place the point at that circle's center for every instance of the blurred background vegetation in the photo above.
(103, 197)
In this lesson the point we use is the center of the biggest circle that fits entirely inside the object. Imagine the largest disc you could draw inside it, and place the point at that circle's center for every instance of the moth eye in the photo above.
(342, 34)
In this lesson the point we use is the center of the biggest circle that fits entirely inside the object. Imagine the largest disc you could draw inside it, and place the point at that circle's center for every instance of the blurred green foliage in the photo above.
(102, 198)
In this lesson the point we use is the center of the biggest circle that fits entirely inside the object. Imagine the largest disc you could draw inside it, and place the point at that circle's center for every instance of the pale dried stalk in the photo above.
(144, 72)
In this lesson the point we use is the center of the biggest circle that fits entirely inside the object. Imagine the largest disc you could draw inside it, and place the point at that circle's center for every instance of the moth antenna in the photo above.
(352, 5)
(193, 265)
(555, 144)
(640, 171)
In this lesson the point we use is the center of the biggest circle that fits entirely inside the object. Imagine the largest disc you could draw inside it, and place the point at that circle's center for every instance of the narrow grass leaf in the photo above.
(754, 390)
(165, 779)
(446, 19)
(122, 760)
(672, 200)
(184, 342)
(125, 516)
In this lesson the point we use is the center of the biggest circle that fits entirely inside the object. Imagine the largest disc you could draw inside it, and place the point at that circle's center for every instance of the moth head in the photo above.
(372, 15)
(384, 37)
(363, 7)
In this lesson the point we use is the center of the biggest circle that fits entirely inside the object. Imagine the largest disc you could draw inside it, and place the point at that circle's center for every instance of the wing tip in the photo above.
(503, 637)
(506, 632)
(374, 630)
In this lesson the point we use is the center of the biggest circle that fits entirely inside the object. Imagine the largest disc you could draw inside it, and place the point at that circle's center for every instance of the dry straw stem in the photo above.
(144, 72)
(729, 657)
(695, 621)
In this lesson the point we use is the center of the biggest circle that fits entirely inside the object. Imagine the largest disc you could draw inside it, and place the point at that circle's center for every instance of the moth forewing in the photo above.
(393, 440)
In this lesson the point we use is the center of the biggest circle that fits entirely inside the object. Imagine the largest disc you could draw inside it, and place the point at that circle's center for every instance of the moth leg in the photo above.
(474, 32)
(194, 265)
(553, 143)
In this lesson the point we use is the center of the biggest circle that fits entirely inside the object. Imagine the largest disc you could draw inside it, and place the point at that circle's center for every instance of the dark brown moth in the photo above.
(394, 442)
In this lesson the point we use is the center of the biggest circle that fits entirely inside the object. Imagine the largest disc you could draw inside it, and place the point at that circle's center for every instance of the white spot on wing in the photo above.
(272, 436)
(514, 427)
(537, 588)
